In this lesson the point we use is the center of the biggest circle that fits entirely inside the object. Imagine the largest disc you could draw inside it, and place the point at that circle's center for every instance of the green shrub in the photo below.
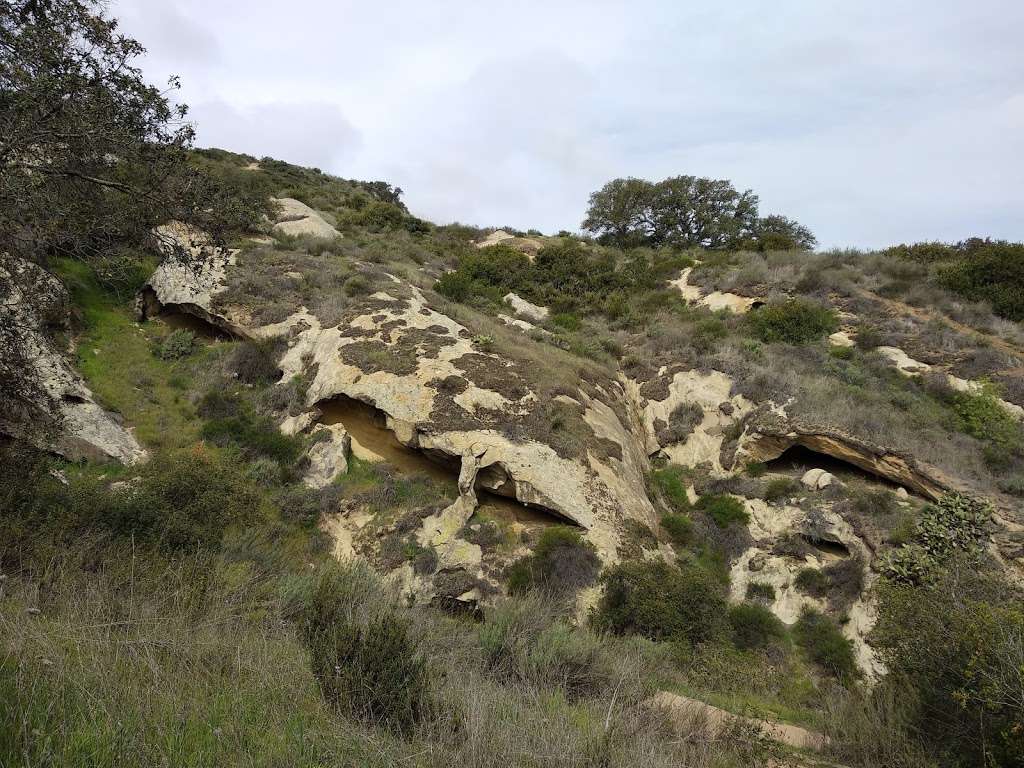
(756, 469)
(231, 420)
(953, 648)
(178, 344)
(754, 626)
(567, 320)
(255, 362)
(780, 488)
(368, 666)
(661, 602)
(991, 271)
(813, 581)
(954, 526)
(678, 526)
(561, 563)
(523, 641)
(794, 321)
(824, 642)
(841, 352)
(723, 509)
(759, 590)
(671, 482)
(981, 415)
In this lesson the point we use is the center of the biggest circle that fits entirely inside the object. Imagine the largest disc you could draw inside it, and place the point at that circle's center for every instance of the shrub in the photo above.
(954, 648)
(178, 344)
(678, 526)
(779, 488)
(567, 320)
(232, 421)
(368, 666)
(982, 416)
(794, 321)
(181, 500)
(813, 581)
(255, 362)
(759, 590)
(754, 626)
(824, 642)
(670, 482)
(952, 526)
(723, 509)
(524, 642)
(561, 564)
(681, 423)
(661, 602)
(991, 271)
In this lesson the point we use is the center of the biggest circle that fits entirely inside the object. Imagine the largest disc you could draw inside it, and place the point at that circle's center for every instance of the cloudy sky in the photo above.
(872, 122)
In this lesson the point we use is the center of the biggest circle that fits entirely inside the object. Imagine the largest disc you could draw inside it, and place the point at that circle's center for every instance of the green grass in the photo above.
(115, 356)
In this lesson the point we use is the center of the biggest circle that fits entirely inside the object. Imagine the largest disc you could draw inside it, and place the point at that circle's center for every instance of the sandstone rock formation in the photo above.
(530, 311)
(297, 219)
(716, 300)
(32, 297)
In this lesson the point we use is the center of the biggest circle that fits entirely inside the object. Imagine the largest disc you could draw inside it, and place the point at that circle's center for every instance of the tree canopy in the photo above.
(91, 156)
(688, 212)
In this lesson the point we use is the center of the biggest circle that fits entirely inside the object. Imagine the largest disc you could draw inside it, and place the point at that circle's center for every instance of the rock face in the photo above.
(84, 430)
(716, 300)
(472, 410)
(769, 439)
(524, 308)
(328, 458)
(297, 219)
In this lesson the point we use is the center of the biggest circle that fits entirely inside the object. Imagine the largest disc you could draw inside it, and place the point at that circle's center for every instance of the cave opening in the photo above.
(177, 318)
(372, 441)
(797, 459)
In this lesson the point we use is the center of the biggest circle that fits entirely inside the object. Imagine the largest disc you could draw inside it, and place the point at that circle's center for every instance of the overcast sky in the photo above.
(872, 122)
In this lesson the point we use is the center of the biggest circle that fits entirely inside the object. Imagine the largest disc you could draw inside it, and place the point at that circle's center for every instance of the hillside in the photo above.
(352, 488)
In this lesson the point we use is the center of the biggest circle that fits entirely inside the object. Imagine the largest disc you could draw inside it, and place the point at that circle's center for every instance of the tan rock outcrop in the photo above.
(295, 218)
(328, 458)
(523, 307)
(82, 429)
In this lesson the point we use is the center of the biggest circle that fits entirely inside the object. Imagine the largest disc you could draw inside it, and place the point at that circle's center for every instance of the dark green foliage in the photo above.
(661, 601)
(180, 501)
(759, 590)
(780, 488)
(779, 233)
(723, 509)
(813, 581)
(568, 275)
(989, 270)
(793, 321)
(688, 212)
(255, 362)
(754, 626)
(231, 420)
(953, 648)
(561, 563)
(678, 526)
(369, 667)
(670, 482)
(954, 526)
(821, 637)
(681, 423)
(981, 415)
(178, 344)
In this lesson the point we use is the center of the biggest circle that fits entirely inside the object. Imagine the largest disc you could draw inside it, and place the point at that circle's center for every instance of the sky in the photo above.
(873, 123)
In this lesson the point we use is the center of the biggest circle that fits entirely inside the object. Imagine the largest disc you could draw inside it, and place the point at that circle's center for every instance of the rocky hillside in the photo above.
(478, 413)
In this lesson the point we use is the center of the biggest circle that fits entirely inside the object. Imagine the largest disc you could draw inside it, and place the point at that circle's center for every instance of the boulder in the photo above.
(295, 218)
(530, 311)
(816, 479)
(328, 458)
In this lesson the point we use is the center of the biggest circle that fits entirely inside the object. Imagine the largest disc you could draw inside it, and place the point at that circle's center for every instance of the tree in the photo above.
(707, 213)
(683, 211)
(92, 159)
(622, 211)
(779, 233)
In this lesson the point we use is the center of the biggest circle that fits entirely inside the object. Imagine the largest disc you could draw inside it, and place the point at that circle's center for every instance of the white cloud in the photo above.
(872, 122)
